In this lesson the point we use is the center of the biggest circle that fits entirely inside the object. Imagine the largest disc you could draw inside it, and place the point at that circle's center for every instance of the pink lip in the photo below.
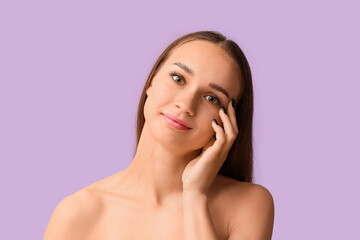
(175, 122)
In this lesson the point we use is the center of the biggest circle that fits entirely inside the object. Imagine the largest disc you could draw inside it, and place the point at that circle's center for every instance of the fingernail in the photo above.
(223, 109)
(233, 103)
(215, 121)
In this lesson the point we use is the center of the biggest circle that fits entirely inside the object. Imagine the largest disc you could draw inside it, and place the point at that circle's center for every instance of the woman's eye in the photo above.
(177, 77)
(214, 100)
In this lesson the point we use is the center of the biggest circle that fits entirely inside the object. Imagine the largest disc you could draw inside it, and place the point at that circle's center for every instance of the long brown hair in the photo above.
(239, 162)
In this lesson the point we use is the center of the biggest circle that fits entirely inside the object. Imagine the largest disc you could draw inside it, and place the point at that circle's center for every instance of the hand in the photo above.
(200, 172)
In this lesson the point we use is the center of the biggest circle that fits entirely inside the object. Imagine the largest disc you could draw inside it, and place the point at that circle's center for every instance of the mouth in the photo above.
(175, 122)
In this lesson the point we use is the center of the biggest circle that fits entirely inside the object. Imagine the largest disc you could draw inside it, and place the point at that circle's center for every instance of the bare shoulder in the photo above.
(243, 191)
(74, 216)
(250, 209)
(234, 188)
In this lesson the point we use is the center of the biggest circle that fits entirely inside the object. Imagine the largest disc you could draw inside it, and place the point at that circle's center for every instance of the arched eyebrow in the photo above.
(212, 85)
(185, 68)
(219, 88)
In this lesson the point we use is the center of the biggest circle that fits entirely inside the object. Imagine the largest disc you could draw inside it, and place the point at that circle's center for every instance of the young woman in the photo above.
(191, 176)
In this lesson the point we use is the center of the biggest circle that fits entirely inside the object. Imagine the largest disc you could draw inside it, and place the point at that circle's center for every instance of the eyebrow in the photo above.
(212, 85)
(185, 68)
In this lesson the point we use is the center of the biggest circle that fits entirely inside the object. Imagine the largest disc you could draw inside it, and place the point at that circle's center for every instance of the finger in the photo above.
(228, 126)
(232, 116)
(219, 133)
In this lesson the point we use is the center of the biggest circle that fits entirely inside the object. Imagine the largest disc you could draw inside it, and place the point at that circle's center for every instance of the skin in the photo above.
(172, 150)
(168, 183)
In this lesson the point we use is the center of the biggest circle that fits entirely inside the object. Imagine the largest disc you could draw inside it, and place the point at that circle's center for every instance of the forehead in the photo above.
(210, 64)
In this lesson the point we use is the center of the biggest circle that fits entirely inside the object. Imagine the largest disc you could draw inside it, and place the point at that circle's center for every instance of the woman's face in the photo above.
(184, 88)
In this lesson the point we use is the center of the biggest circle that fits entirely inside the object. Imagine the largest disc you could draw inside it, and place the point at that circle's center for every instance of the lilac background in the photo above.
(72, 73)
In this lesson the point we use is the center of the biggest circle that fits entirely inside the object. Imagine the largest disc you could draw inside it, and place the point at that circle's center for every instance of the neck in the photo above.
(157, 168)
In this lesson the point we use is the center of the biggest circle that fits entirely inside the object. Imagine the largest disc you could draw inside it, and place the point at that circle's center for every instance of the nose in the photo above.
(186, 101)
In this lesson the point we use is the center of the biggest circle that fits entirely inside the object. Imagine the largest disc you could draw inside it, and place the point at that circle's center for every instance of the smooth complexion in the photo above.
(145, 201)
(163, 152)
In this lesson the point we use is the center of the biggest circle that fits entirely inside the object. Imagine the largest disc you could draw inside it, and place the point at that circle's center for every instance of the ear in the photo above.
(148, 89)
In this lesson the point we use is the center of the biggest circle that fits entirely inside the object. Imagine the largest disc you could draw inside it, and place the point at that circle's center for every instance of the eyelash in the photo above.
(183, 79)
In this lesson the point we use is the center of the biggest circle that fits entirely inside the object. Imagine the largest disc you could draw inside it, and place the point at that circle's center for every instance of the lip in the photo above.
(178, 121)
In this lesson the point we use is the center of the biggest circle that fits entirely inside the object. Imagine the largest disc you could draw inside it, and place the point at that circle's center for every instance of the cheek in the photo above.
(205, 127)
(158, 93)
(156, 98)
(204, 135)
(147, 106)
(207, 113)
(163, 90)
(206, 131)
